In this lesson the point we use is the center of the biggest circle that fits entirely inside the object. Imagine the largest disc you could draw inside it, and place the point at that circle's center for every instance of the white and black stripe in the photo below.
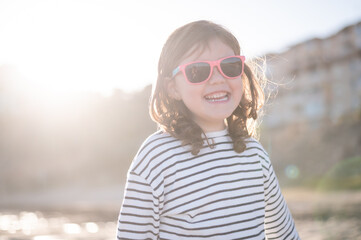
(217, 194)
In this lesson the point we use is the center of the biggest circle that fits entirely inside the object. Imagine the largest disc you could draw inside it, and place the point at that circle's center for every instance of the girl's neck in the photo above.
(213, 128)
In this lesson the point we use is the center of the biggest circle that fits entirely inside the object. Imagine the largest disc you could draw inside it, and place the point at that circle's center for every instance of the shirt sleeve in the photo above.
(279, 223)
(139, 214)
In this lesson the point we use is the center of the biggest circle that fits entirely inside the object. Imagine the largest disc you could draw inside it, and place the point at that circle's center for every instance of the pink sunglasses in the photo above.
(199, 72)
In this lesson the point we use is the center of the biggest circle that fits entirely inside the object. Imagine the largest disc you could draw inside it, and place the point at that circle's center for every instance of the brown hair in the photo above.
(174, 117)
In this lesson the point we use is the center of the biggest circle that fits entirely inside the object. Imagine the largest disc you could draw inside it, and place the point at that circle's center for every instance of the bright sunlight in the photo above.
(73, 47)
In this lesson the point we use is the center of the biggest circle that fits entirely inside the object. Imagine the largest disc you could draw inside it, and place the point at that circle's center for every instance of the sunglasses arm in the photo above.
(176, 71)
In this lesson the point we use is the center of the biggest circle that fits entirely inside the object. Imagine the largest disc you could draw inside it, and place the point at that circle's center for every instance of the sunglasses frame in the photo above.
(217, 63)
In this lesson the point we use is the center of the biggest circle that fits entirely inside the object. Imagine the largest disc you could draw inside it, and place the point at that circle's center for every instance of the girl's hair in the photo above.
(174, 117)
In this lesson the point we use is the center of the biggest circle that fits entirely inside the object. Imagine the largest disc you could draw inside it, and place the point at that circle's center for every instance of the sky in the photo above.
(98, 45)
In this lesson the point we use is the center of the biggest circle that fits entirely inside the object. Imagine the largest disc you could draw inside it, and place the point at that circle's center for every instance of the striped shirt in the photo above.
(217, 194)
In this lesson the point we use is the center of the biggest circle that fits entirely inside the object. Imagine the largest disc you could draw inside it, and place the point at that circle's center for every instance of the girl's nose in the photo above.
(216, 77)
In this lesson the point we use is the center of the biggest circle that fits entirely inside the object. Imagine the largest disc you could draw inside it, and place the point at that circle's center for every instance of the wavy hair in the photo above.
(174, 117)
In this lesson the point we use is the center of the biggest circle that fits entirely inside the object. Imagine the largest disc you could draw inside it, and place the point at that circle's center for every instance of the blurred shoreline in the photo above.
(69, 198)
(305, 202)
(324, 215)
(302, 201)
(317, 214)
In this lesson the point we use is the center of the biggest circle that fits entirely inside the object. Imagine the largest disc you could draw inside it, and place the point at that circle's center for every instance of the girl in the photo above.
(203, 176)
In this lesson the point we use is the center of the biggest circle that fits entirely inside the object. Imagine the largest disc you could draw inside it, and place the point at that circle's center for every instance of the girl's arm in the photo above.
(279, 223)
(139, 215)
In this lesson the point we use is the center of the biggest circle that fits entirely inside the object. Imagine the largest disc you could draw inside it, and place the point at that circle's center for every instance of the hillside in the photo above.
(313, 153)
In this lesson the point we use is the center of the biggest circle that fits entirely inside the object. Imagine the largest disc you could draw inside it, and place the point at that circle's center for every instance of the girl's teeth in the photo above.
(217, 100)
(217, 97)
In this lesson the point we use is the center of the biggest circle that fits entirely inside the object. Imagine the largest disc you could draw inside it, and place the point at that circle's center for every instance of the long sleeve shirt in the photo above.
(216, 194)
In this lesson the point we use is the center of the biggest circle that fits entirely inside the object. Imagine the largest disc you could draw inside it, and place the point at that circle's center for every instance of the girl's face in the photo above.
(212, 102)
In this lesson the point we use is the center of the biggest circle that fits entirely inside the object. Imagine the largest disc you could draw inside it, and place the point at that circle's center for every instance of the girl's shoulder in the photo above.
(156, 140)
(153, 147)
(255, 146)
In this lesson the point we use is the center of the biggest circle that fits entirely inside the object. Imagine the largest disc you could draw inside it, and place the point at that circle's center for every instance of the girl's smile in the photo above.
(217, 97)
(213, 101)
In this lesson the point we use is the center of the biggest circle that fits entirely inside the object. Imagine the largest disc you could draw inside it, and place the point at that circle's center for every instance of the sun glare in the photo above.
(71, 47)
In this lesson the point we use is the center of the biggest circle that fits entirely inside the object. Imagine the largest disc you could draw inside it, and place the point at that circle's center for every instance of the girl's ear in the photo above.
(172, 89)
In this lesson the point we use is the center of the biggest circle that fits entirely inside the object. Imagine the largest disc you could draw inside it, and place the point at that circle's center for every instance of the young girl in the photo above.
(203, 176)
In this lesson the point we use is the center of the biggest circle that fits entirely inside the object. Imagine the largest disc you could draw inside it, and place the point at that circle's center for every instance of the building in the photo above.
(317, 81)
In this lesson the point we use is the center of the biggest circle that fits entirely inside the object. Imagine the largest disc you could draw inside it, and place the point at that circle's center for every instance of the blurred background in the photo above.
(75, 81)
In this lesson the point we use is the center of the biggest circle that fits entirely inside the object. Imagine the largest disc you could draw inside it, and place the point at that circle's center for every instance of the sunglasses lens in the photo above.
(232, 67)
(198, 72)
